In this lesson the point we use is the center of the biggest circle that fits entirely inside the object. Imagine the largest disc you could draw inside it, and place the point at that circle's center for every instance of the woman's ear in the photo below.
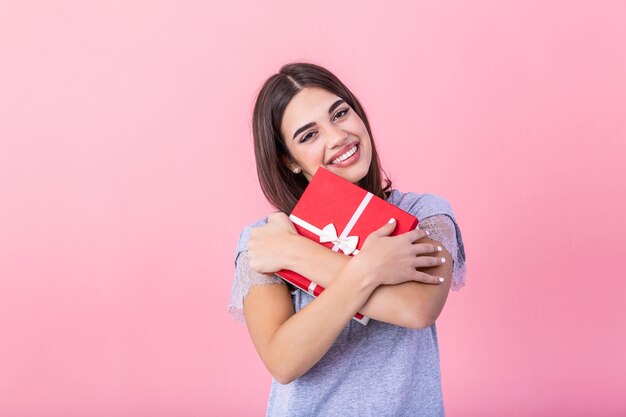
(291, 166)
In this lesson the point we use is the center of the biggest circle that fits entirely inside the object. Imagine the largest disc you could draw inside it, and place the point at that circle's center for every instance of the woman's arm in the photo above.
(290, 344)
(412, 304)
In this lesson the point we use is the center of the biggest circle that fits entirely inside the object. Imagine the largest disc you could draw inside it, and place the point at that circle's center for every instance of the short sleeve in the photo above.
(244, 279)
(443, 229)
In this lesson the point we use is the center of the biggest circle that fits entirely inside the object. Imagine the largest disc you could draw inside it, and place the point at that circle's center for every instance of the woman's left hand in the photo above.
(269, 244)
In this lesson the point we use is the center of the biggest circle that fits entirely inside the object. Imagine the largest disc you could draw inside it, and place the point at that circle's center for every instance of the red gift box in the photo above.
(340, 215)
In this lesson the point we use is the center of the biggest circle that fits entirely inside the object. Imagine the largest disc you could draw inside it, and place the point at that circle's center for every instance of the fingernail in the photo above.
(441, 280)
(392, 220)
(427, 233)
(443, 260)
(439, 248)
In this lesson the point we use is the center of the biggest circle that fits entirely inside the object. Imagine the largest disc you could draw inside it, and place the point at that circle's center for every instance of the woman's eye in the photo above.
(341, 113)
(306, 137)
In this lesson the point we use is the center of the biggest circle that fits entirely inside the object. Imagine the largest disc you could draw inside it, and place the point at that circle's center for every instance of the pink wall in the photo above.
(126, 175)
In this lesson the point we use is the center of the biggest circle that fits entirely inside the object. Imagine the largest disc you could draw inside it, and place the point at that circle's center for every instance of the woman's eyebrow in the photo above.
(303, 128)
(335, 105)
(308, 125)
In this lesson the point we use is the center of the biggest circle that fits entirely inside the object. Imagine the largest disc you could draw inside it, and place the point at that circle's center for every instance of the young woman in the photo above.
(324, 363)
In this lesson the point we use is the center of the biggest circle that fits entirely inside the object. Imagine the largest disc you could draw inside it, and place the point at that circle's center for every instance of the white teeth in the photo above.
(344, 156)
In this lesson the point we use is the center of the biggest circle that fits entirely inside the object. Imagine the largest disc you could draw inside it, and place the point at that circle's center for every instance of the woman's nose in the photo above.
(336, 136)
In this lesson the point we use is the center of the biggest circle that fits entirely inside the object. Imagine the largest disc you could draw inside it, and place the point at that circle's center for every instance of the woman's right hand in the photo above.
(268, 244)
(390, 260)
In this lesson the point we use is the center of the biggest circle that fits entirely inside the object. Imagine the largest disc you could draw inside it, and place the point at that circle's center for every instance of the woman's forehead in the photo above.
(310, 102)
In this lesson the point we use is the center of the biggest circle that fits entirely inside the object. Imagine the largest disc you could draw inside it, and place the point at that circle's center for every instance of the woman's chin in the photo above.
(354, 175)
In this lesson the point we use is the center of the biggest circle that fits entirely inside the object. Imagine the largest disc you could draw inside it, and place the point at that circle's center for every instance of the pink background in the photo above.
(127, 174)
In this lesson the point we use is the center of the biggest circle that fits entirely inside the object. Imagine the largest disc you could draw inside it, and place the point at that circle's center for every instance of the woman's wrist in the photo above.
(359, 268)
(293, 251)
(311, 259)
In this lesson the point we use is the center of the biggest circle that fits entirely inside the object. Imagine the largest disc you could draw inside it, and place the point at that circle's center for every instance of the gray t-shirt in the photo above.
(377, 369)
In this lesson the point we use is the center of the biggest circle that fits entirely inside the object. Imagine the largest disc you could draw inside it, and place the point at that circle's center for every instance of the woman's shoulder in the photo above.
(254, 224)
(442, 229)
(420, 205)
(242, 244)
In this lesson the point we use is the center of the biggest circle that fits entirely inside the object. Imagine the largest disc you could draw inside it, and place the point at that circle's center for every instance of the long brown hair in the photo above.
(281, 186)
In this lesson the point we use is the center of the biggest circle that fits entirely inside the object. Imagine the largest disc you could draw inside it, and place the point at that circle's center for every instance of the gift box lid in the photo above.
(330, 199)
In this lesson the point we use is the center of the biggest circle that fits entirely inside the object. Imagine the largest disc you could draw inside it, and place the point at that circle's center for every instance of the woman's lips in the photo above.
(351, 160)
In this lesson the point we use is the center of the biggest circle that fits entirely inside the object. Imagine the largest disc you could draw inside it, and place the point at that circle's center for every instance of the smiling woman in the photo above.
(323, 362)
(280, 175)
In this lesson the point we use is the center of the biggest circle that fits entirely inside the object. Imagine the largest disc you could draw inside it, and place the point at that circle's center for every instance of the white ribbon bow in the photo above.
(346, 244)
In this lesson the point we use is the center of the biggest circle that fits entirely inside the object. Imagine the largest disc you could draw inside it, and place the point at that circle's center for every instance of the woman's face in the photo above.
(320, 129)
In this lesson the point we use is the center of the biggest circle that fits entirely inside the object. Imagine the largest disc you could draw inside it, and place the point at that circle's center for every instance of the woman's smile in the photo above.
(348, 158)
